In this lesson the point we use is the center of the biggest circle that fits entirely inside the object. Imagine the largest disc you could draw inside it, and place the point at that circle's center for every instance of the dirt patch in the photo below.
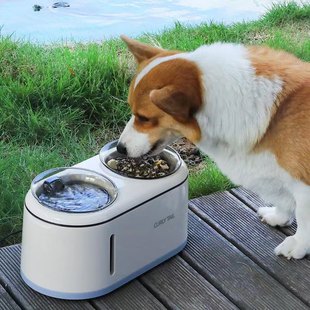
(189, 153)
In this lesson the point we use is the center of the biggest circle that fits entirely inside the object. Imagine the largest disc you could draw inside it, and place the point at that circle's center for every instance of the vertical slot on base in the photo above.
(112, 253)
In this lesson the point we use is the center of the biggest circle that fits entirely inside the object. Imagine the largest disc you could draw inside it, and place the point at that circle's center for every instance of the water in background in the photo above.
(95, 20)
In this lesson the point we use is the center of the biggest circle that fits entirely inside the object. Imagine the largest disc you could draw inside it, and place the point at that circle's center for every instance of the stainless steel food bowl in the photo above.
(109, 152)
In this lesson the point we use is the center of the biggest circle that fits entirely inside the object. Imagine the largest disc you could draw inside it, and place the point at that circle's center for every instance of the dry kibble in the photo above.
(112, 163)
(143, 167)
(164, 167)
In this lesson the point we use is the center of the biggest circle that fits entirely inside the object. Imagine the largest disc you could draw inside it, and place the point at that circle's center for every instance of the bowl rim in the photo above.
(104, 154)
(52, 171)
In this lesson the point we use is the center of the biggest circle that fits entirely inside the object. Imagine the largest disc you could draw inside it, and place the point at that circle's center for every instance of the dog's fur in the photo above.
(247, 107)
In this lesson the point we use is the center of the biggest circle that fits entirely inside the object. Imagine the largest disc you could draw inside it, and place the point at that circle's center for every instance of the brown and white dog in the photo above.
(247, 107)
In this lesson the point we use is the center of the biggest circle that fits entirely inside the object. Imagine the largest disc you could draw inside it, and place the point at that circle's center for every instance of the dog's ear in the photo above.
(174, 102)
(141, 51)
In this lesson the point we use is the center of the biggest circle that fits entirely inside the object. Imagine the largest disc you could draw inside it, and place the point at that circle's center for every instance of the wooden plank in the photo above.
(131, 296)
(6, 301)
(28, 298)
(232, 272)
(253, 201)
(181, 287)
(249, 198)
(241, 226)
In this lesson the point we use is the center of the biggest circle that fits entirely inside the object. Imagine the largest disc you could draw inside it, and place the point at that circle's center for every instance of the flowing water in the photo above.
(95, 20)
(76, 198)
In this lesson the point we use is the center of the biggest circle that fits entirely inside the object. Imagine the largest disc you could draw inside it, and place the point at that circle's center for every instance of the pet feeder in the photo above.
(81, 250)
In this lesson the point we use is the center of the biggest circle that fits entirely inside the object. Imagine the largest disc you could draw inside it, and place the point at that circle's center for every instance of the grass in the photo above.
(207, 180)
(60, 104)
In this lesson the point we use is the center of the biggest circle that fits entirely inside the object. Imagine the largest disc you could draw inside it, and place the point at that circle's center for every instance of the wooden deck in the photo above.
(228, 263)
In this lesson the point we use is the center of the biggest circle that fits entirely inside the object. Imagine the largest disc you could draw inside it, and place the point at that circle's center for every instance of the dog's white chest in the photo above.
(243, 168)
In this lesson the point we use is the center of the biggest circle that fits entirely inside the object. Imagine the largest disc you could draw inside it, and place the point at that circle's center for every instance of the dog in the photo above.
(247, 107)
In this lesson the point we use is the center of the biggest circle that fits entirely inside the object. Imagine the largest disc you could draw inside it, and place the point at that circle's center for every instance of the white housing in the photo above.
(85, 255)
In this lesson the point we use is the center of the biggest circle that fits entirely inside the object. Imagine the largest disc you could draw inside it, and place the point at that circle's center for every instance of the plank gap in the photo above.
(6, 300)
(233, 272)
(254, 202)
(244, 248)
(93, 304)
(200, 269)
(180, 286)
(158, 295)
(5, 283)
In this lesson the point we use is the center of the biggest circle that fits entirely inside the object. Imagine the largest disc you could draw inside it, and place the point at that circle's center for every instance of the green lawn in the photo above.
(60, 104)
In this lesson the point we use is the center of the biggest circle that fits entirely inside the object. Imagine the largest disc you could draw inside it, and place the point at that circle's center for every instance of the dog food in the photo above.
(143, 167)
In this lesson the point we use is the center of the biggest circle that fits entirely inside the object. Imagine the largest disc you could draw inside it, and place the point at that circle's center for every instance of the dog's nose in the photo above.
(121, 148)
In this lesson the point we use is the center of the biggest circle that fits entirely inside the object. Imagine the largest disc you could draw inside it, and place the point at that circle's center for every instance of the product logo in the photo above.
(164, 220)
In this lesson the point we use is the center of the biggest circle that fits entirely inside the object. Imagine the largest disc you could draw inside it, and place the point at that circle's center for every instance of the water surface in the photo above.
(95, 20)
(76, 198)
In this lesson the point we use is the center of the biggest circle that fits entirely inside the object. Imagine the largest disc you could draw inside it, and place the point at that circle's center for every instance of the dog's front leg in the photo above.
(273, 191)
(298, 246)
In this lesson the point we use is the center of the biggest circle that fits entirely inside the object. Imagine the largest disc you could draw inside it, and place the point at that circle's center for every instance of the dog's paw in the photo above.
(292, 247)
(274, 217)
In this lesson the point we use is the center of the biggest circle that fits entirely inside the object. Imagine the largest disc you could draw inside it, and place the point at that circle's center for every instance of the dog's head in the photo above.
(164, 96)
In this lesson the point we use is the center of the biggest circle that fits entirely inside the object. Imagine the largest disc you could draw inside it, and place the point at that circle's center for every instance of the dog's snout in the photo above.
(121, 148)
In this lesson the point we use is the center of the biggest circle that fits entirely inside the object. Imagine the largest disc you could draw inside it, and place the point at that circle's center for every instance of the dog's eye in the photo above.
(142, 119)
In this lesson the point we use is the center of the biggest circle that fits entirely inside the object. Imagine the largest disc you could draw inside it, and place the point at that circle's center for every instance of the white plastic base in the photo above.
(104, 291)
